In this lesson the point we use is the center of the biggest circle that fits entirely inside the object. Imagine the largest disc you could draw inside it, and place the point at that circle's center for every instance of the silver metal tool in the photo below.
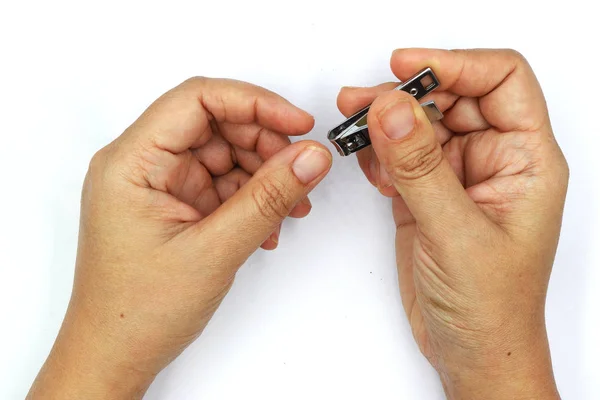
(353, 134)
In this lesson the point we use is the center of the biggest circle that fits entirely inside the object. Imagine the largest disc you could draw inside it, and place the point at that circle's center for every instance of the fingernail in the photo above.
(311, 163)
(384, 178)
(398, 120)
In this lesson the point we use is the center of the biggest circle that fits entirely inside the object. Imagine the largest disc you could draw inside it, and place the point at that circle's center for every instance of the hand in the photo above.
(477, 201)
(170, 211)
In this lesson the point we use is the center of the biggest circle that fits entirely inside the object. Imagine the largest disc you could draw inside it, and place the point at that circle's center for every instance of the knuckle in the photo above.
(196, 80)
(418, 162)
(98, 161)
(95, 172)
(191, 84)
(105, 164)
(564, 171)
(554, 169)
(555, 164)
(272, 199)
(517, 56)
(515, 53)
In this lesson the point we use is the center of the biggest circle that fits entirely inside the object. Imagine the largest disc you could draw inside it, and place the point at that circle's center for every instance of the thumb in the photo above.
(408, 150)
(248, 218)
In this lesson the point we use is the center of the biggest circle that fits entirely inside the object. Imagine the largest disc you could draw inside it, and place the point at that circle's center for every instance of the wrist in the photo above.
(509, 369)
(85, 364)
(525, 382)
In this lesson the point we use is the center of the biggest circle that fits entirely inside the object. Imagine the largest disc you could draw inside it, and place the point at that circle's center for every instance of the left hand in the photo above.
(170, 210)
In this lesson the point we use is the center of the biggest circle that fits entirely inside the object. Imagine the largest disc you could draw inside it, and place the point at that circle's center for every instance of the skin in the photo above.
(170, 211)
(477, 201)
(174, 206)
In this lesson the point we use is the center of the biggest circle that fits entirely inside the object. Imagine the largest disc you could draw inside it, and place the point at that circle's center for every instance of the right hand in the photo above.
(478, 202)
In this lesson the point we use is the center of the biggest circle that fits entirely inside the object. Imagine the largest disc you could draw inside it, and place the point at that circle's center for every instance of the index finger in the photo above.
(181, 118)
(510, 97)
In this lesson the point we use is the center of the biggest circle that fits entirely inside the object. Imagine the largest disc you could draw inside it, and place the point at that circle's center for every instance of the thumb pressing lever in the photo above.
(353, 134)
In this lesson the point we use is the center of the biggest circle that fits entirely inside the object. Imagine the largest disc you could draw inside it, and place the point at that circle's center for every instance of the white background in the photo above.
(320, 318)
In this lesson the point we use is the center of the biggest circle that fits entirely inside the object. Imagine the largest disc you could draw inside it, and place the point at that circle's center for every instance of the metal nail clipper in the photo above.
(353, 134)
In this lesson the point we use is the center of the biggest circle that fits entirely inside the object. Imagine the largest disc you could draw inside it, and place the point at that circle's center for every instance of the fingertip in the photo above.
(306, 201)
(273, 241)
(343, 100)
(394, 55)
(408, 50)
(405, 62)
(268, 245)
(300, 123)
(280, 115)
(397, 55)
(309, 118)
(351, 99)
(345, 90)
(388, 191)
(301, 209)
